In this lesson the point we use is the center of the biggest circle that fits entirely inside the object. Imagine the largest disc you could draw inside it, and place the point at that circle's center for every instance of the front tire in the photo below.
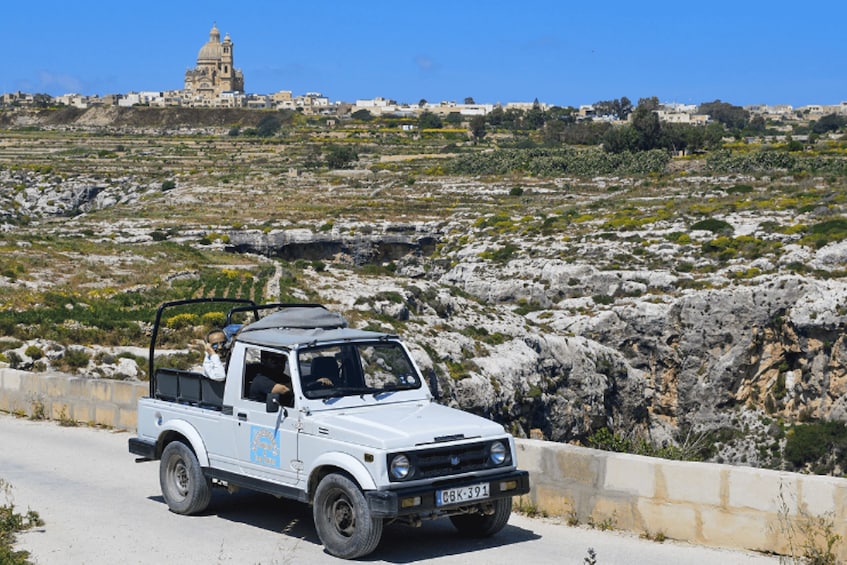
(184, 487)
(343, 519)
(482, 525)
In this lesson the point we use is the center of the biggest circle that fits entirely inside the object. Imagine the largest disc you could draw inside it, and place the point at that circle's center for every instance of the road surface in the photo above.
(102, 508)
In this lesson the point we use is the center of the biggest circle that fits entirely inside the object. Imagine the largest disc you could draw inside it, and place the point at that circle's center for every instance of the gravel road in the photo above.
(100, 507)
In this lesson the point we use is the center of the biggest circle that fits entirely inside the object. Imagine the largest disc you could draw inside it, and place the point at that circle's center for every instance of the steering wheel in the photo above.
(323, 382)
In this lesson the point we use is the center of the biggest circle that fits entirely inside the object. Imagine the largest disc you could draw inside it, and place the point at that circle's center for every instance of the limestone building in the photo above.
(214, 72)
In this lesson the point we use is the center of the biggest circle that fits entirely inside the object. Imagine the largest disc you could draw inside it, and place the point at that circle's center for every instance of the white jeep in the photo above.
(359, 436)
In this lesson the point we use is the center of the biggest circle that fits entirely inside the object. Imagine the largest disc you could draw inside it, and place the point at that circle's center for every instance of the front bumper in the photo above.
(399, 502)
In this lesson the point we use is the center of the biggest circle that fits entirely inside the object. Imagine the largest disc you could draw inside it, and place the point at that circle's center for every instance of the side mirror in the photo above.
(273, 402)
(433, 385)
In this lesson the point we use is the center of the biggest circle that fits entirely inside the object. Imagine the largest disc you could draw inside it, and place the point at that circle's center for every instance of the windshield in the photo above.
(356, 368)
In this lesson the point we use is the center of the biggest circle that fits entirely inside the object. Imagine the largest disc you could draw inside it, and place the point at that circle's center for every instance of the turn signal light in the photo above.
(410, 502)
(508, 485)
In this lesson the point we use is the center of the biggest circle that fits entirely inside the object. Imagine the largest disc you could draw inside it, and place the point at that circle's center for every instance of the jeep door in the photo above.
(267, 442)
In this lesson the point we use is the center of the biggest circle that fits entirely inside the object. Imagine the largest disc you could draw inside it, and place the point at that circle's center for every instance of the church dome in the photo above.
(212, 50)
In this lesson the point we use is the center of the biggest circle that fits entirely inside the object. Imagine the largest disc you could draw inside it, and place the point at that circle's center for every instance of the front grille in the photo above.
(449, 460)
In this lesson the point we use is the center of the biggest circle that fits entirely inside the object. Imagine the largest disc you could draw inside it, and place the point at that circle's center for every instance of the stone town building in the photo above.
(215, 72)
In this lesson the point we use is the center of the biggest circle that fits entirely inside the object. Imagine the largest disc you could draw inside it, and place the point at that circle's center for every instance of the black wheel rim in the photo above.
(180, 476)
(341, 514)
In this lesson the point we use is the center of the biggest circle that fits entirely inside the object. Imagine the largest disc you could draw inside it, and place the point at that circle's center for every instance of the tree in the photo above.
(469, 100)
(619, 108)
(477, 127)
(757, 125)
(681, 137)
(454, 118)
(733, 117)
(645, 122)
(554, 132)
(513, 119)
(622, 107)
(495, 116)
(558, 113)
(621, 138)
(713, 135)
(428, 120)
(534, 118)
(603, 108)
(828, 123)
(363, 115)
(268, 126)
(421, 102)
(340, 156)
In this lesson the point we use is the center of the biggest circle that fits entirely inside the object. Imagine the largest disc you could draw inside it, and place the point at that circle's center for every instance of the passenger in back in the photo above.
(216, 356)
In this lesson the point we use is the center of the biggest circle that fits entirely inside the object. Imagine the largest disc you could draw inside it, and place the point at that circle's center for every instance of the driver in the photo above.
(273, 378)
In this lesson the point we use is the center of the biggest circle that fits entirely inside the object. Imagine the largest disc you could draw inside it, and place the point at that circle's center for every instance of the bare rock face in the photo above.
(703, 359)
(361, 248)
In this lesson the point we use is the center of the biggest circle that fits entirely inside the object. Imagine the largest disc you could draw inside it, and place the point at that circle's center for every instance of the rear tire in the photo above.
(481, 525)
(184, 487)
(343, 519)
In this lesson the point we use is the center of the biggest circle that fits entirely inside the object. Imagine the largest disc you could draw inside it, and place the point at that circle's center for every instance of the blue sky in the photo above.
(560, 52)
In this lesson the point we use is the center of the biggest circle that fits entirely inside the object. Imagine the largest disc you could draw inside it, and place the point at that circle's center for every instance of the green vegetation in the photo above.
(818, 446)
(11, 523)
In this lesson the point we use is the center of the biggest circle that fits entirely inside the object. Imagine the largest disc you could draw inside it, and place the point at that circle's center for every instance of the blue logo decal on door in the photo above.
(264, 446)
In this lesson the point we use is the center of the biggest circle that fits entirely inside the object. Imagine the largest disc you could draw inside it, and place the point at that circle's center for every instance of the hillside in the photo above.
(696, 309)
(138, 117)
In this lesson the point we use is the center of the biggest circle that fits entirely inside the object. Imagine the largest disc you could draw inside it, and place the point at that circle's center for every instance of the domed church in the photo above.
(214, 72)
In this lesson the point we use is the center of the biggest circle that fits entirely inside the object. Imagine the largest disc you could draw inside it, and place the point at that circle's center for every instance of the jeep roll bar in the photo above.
(156, 323)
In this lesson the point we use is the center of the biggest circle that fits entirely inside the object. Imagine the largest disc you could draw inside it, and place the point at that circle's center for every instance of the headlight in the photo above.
(400, 467)
(497, 453)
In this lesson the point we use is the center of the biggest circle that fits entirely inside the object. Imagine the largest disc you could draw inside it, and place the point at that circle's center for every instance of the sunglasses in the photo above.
(217, 344)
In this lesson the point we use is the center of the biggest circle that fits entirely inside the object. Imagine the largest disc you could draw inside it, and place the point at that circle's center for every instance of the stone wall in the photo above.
(703, 503)
(102, 402)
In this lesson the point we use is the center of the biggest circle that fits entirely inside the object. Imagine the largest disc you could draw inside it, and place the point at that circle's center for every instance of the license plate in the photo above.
(461, 494)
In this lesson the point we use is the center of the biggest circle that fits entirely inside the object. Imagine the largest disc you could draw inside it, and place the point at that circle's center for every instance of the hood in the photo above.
(400, 425)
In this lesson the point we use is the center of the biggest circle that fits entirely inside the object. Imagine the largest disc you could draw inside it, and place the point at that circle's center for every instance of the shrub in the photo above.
(502, 255)
(14, 359)
(34, 352)
(11, 523)
(822, 445)
(181, 321)
(713, 225)
(740, 189)
(826, 232)
(75, 358)
(213, 319)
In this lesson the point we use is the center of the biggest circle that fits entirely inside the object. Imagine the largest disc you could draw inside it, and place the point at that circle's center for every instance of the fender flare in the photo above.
(347, 463)
(190, 433)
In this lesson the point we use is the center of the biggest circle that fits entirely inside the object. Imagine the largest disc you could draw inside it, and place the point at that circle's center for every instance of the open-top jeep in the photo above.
(359, 436)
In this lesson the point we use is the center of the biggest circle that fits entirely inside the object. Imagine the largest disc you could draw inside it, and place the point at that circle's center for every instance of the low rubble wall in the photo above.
(702, 503)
